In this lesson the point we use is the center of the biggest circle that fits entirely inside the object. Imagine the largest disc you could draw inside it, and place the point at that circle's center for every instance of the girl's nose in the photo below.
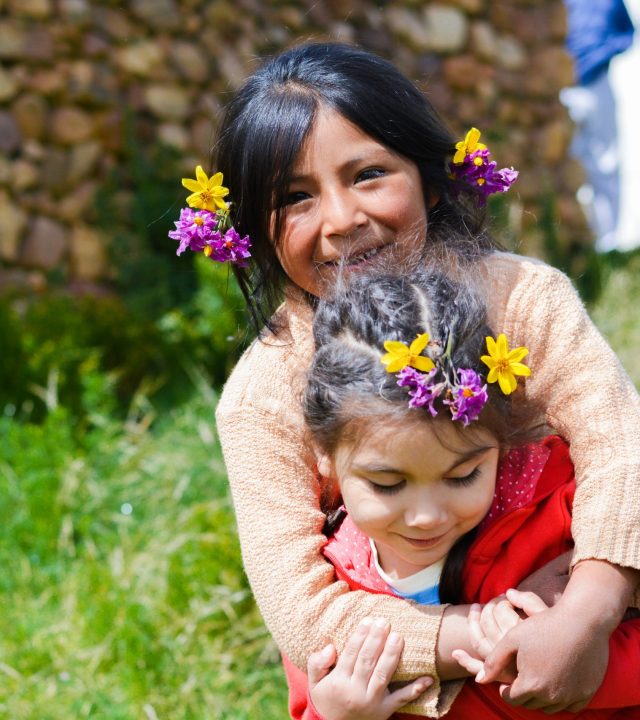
(425, 512)
(341, 214)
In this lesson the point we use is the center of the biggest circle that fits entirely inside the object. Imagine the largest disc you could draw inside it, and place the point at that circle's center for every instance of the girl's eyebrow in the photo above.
(377, 468)
(465, 457)
(372, 156)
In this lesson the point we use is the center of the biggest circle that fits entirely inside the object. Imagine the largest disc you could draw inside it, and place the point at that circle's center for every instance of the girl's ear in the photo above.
(325, 466)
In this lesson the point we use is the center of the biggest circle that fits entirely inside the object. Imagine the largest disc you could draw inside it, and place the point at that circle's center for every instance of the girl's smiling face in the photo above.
(416, 490)
(350, 199)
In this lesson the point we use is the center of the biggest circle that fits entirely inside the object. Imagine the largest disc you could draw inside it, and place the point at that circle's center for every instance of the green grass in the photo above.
(123, 595)
(617, 310)
(122, 583)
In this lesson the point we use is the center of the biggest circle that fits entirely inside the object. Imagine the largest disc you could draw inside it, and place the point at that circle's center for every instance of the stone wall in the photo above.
(71, 71)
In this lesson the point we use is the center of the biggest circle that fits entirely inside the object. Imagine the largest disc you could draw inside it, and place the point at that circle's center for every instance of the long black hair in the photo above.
(266, 123)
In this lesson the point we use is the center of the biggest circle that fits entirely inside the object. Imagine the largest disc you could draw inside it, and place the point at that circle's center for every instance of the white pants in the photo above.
(595, 145)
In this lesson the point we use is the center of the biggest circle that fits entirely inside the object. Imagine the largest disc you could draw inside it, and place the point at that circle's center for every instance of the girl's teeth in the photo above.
(364, 256)
(359, 258)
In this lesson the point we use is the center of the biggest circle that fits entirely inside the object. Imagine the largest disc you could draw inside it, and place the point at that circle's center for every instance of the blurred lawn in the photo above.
(123, 595)
(122, 588)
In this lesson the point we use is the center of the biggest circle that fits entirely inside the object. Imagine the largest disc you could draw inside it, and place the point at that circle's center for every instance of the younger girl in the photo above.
(439, 509)
(330, 154)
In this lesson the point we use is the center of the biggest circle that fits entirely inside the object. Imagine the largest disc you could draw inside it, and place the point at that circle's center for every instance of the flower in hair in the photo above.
(468, 397)
(206, 192)
(421, 390)
(472, 168)
(207, 228)
(399, 355)
(505, 364)
(469, 145)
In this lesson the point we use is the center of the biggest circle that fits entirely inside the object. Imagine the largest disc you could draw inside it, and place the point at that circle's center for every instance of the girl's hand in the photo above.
(545, 648)
(357, 688)
(488, 624)
(550, 581)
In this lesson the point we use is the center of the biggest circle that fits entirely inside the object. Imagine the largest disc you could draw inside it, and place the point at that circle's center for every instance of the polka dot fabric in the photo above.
(518, 474)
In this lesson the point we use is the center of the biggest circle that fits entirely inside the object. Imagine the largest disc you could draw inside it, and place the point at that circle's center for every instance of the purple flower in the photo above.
(477, 172)
(204, 231)
(421, 391)
(229, 247)
(468, 397)
(193, 229)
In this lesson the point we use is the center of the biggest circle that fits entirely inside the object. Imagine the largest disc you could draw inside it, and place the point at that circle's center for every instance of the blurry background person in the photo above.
(597, 31)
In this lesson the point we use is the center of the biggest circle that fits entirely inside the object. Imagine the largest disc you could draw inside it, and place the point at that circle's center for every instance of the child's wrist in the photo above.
(600, 593)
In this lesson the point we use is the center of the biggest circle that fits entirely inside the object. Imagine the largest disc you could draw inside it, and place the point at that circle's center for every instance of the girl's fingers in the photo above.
(387, 663)
(476, 632)
(506, 618)
(490, 627)
(470, 664)
(529, 602)
(319, 664)
(348, 657)
(371, 650)
(398, 698)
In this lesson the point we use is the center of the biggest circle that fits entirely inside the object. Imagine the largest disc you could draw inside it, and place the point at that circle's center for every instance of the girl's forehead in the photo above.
(377, 438)
(330, 132)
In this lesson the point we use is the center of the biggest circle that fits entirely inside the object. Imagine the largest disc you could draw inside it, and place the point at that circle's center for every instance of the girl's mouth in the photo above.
(356, 260)
(430, 542)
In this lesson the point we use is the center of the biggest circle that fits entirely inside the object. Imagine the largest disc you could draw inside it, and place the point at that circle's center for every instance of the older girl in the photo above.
(333, 158)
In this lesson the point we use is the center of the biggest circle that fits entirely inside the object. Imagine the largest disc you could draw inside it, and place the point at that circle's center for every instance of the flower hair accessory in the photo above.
(205, 226)
(432, 376)
(471, 167)
(505, 364)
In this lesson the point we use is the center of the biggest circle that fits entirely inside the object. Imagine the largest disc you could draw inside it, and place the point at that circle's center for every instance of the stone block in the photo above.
(447, 28)
(83, 160)
(34, 9)
(168, 102)
(13, 39)
(191, 61)
(71, 125)
(30, 112)
(483, 41)
(13, 221)
(158, 14)
(39, 45)
(141, 58)
(24, 175)
(45, 244)
(8, 85)
(88, 256)
(174, 136)
(10, 137)
(79, 204)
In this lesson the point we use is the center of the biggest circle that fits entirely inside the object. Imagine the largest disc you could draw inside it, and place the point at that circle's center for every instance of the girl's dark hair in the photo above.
(266, 123)
(348, 387)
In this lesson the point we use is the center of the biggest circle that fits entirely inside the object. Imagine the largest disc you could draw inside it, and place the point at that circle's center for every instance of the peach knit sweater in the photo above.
(279, 499)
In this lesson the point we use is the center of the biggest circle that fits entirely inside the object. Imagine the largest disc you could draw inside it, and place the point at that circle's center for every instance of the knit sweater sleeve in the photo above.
(277, 505)
(588, 398)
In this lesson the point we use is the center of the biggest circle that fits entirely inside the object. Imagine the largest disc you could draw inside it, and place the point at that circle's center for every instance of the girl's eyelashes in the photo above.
(370, 174)
(465, 480)
(293, 198)
(387, 489)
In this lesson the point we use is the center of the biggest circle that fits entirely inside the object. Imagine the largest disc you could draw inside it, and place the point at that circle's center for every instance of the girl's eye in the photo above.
(370, 174)
(293, 198)
(465, 480)
(387, 489)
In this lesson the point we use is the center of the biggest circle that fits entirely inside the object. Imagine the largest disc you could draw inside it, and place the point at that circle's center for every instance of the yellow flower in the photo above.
(467, 146)
(207, 193)
(398, 355)
(504, 364)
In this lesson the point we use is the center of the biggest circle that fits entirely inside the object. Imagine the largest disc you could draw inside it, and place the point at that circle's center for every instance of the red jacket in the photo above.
(511, 545)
